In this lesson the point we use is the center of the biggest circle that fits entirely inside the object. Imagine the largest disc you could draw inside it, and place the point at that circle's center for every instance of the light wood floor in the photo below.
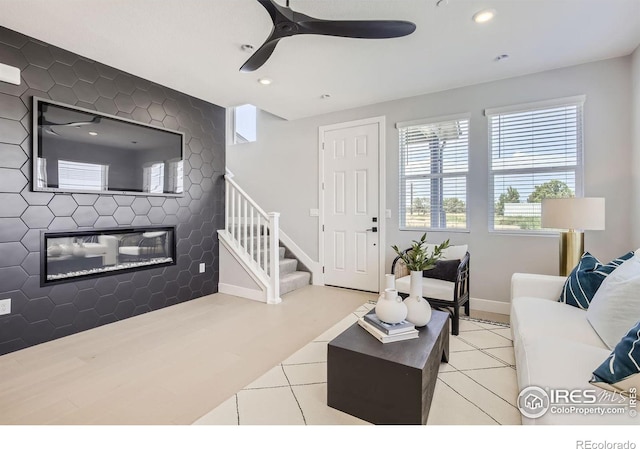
(170, 366)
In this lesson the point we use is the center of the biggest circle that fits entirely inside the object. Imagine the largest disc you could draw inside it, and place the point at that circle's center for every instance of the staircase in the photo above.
(291, 278)
(253, 237)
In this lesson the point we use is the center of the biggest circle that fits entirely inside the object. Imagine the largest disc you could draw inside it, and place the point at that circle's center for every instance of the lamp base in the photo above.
(571, 250)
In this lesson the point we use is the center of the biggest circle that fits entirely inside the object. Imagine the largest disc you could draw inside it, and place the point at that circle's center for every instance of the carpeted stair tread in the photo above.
(288, 266)
(293, 281)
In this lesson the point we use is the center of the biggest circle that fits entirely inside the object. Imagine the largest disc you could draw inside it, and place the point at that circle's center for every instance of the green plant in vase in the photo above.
(417, 259)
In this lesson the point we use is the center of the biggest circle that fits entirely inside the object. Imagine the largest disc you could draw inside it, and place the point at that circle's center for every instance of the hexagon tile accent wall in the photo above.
(39, 314)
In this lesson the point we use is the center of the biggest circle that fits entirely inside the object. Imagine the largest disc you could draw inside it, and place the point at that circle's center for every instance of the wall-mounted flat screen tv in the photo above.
(80, 150)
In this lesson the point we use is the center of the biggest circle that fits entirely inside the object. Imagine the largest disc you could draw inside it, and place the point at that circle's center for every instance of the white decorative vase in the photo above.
(418, 308)
(390, 281)
(390, 307)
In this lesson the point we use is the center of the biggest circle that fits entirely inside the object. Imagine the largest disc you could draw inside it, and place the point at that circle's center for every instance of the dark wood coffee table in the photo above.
(387, 383)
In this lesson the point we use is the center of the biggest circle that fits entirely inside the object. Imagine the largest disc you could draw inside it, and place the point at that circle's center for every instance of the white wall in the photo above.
(635, 130)
(280, 170)
(232, 273)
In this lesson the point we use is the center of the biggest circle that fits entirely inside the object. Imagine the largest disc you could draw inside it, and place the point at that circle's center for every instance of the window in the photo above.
(153, 178)
(82, 176)
(434, 157)
(536, 153)
(244, 123)
(176, 176)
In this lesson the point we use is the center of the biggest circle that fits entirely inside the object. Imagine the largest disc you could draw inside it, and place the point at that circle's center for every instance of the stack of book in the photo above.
(385, 332)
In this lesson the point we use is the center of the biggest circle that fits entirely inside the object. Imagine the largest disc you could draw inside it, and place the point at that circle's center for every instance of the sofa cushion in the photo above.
(536, 317)
(446, 270)
(585, 279)
(556, 363)
(615, 307)
(431, 288)
(621, 370)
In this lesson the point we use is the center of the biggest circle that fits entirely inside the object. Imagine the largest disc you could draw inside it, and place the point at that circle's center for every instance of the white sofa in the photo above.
(555, 346)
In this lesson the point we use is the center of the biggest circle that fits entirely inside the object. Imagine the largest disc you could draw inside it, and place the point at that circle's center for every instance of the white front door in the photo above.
(351, 207)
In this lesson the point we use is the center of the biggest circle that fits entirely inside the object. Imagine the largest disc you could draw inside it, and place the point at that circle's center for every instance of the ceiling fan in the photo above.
(287, 22)
(47, 125)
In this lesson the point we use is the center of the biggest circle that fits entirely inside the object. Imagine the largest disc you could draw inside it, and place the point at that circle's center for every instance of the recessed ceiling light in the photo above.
(501, 57)
(442, 2)
(93, 133)
(484, 16)
(265, 81)
(247, 47)
(325, 96)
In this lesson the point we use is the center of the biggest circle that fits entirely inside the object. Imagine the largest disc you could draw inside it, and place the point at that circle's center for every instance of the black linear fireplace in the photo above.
(74, 255)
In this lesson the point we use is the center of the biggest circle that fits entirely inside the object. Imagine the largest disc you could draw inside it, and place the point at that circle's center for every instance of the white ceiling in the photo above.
(194, 45)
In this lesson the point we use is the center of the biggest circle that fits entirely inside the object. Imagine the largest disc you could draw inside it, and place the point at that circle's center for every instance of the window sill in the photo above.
(452, 230)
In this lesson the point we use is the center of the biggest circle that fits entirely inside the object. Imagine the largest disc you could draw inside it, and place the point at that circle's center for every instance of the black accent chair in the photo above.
(460, 296)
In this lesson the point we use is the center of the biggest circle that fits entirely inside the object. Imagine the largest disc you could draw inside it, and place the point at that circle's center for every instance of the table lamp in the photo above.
(573, 215)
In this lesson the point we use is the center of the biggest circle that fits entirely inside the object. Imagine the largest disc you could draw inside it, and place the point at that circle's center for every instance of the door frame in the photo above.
(382, 201)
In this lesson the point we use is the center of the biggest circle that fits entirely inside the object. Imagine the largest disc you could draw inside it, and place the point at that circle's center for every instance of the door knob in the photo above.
(374, 229)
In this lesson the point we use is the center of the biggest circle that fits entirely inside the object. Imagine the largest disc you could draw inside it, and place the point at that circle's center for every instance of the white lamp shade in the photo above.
(573, 213)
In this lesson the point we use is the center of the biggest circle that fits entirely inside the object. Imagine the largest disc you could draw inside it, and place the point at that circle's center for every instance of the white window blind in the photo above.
(175, 178)
(82, 176)
(536, 153)
(153, 178)
(434, 163)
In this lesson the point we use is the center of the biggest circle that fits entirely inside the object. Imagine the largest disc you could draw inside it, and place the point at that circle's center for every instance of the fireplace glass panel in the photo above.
(70, 255)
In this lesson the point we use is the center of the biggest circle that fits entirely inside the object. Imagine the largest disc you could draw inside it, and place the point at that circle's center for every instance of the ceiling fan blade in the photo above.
(362, 29)
(94, 121)
(276, 11)
(260, 56)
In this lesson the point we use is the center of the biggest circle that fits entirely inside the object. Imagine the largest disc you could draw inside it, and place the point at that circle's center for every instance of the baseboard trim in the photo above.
(242, 292)
(488, 305)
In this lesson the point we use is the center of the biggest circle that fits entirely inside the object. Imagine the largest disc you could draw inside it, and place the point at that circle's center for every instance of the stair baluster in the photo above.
(240, 212)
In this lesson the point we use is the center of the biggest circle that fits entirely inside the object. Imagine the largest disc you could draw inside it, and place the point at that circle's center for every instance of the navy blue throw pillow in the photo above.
(620, 372)
(585, 279)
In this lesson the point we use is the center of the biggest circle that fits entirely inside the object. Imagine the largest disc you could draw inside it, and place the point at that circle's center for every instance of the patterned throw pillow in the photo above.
(621, 370)
(584, 280)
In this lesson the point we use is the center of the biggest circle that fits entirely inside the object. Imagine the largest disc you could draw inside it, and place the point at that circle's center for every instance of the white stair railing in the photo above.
(254, 234)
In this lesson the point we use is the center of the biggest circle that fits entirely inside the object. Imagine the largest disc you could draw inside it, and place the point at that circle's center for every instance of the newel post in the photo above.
(274, 258)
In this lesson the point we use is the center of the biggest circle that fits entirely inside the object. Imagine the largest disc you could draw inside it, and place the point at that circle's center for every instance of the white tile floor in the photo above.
(477, 386)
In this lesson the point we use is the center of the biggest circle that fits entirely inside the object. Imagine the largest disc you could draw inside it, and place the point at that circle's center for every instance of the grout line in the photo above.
(237, 408)
(469, 401)
(294, 395)
(272, 387)
(492, 392)
(488, 367)
(482, 350)
(492, 331)
(303, 363)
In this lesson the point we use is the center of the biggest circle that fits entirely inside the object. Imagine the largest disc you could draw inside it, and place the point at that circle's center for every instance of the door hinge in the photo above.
(323, 186)
(323, 270)
(322, 228)
(323, 145)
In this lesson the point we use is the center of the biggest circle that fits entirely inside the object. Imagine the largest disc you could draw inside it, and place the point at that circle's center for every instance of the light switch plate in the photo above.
(5, 306)
(314, 212)
(388, 213)
(202, 268)
(9, 74)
